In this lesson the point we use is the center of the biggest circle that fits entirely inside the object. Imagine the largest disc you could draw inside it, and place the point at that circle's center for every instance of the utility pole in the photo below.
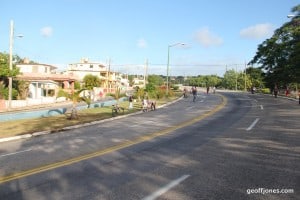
(168, 65)
(109, 86)
(245, 75)
(145, 73)
(107, 76)
(10, 64)
(236, 78)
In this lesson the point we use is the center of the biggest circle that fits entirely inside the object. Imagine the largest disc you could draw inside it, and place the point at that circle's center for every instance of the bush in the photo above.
(62, 93)
(152, 94)
(266, 90)
(175, 87)
(115, 96)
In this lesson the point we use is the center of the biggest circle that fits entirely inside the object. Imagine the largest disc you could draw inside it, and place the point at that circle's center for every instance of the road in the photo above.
(229, 146)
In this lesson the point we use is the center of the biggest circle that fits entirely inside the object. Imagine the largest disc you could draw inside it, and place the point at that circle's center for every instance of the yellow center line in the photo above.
(123, 145)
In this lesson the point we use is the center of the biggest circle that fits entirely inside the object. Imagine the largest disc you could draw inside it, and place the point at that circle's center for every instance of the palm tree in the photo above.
(76, 98)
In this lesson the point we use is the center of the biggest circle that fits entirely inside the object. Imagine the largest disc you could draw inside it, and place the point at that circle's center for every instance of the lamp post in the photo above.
(291, 16)
(245, 77)
(168, 65)
(11, 38)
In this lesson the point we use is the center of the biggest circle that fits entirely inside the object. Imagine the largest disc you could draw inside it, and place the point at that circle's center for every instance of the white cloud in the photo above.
(46, 31)
(141, 43)
(206, 38)
(257, 31)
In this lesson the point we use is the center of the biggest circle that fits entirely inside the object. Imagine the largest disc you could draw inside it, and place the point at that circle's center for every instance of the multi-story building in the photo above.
(84, 67)
(110, 80)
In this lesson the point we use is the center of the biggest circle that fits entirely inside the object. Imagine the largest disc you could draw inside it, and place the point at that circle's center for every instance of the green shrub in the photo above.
(62, 93)
(266, 90)
(175, 87)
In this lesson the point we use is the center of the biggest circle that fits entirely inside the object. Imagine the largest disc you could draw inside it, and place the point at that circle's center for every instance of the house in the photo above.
(85, 67)
(43, 79)
(44, 82)
(110, 80)
(139, 82)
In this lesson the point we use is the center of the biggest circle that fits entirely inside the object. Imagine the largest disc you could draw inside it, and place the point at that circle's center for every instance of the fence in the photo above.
(4, 104)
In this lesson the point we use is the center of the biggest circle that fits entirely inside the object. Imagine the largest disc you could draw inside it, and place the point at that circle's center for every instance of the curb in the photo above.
(40, 133)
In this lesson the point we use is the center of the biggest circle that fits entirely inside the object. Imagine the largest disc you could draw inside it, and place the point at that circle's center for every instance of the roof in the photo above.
(37, 76)
(37, 64)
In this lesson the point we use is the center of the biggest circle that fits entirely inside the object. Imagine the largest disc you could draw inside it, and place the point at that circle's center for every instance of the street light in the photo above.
(291, 16)
(11, 38)
(168, 65)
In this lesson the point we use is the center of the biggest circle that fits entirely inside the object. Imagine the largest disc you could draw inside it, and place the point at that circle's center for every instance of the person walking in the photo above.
(287, 92)
(275, 91)
(185, 93)
(194, 92)
(214, 89)
(299, 96)
(130, 102)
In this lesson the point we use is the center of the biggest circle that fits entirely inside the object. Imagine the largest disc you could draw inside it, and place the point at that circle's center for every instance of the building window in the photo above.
(91, 66)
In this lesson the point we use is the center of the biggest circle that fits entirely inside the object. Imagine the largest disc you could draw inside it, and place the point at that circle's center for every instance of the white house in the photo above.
(84, 67)
(139, 82)
(110, 80)
(43, 80)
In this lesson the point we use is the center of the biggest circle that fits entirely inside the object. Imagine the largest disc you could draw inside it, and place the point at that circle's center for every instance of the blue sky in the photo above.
(217, 33)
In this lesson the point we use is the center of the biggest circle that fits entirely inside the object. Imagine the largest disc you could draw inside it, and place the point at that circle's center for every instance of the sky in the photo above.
(131, 34)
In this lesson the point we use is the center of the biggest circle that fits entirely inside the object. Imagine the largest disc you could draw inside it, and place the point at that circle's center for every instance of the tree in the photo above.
(5, 72)
(77, 85)
(255, 76)
(211, 80)
(155, 80)
(23, 89)
(139, 93)
(76, 97)
(278, 56)
(230, 79)
(91, 81)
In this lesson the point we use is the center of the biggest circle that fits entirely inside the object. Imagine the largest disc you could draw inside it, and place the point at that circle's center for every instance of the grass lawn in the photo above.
(55, 123)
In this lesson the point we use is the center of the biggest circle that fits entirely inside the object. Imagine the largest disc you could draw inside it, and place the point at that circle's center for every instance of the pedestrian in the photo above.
(275, 91)
(207, 90)
(252, 90)
(185, 93)
(130, 102)
(287, 92)
(194, 92)
(299, 96)
(145, 104)
(214, 89)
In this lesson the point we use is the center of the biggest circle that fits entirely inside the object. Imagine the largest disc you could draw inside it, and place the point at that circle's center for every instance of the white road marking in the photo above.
(10, 154)
(253, 124)
(261, 107)
(189, 108)
(166, 188)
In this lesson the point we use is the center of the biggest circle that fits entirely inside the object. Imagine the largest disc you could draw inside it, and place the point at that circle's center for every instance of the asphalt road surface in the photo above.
(228, 146)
